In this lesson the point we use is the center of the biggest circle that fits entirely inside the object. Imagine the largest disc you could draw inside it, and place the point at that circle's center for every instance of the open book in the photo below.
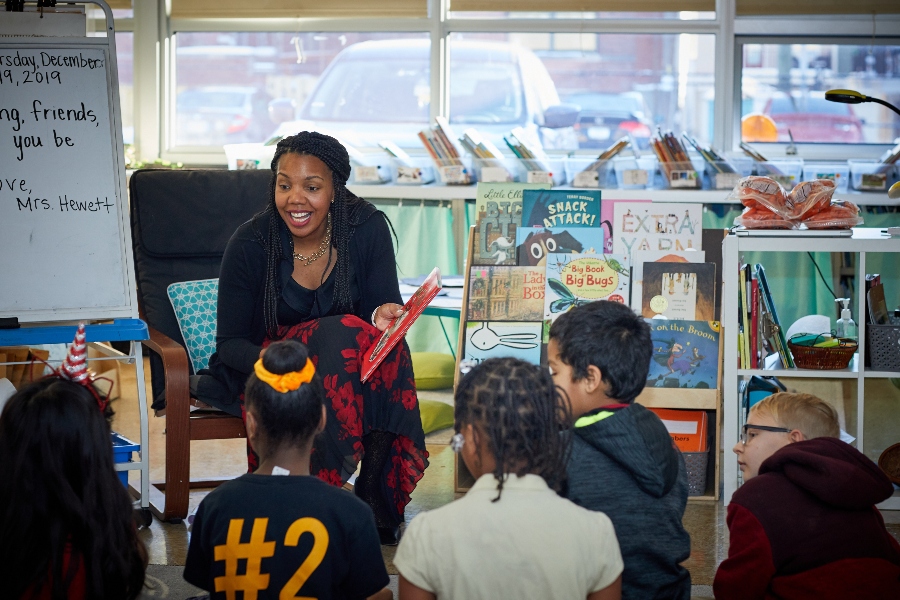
(393, 334)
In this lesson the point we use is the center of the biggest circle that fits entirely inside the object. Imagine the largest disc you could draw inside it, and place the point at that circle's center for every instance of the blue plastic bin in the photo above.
(122, 449)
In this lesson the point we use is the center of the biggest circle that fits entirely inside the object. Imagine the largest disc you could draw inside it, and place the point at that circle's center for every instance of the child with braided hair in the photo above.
(299, 535)
(511, 536)
(317, 265)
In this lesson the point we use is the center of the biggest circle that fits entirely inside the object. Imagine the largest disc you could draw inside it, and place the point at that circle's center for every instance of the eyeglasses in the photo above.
(745, 438)
(456, 442)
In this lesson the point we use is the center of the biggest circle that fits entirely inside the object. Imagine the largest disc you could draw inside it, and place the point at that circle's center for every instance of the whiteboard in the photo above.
(65, 241)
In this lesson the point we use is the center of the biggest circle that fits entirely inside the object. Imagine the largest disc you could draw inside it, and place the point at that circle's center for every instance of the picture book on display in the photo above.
(393, 334)
(641, 257)
(685, 354)
(679, 291)
(607, 216)
(534, 244)
(492, 339)
(576, 279)
(656, 226)
(558, 208)
(505, 293)
(498, 214)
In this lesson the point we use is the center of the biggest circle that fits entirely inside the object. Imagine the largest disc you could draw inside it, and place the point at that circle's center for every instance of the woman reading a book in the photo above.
(317, 265)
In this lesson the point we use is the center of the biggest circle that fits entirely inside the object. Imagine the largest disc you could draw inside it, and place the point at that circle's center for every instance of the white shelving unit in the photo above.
(864, 240)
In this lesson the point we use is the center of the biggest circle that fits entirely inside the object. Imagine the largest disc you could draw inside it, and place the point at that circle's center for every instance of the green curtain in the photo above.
(425, 241)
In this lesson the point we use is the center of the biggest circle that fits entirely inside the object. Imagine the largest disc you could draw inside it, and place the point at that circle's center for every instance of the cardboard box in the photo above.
(688, 428)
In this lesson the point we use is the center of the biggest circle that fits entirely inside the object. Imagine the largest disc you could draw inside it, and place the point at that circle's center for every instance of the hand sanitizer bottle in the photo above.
(846, 326)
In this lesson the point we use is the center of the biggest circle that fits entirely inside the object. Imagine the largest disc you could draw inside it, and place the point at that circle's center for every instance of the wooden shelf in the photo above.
(679, 398)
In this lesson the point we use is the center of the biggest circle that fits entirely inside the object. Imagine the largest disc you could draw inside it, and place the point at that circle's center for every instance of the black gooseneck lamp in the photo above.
(854, 97)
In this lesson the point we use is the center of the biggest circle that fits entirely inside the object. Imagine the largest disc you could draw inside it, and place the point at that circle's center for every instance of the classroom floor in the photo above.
(167, 542)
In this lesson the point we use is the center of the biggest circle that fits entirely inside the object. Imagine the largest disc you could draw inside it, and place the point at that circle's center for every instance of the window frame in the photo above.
(155, 69)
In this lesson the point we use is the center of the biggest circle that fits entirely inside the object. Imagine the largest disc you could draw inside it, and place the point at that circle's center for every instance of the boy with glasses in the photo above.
(804, 524)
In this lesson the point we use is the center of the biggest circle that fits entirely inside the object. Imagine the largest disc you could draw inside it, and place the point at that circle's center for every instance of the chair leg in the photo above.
(178, 445)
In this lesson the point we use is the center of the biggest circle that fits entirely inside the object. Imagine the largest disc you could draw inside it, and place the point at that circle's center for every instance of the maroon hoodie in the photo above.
(807, 527)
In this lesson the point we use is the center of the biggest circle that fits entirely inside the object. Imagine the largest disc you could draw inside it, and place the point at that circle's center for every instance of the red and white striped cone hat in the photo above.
(74, 367)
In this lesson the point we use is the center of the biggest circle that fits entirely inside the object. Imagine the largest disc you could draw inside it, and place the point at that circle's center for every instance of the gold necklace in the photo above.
(323, 247)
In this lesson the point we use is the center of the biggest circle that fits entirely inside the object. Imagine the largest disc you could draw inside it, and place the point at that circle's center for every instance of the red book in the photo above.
(754, 323)
(393, 334)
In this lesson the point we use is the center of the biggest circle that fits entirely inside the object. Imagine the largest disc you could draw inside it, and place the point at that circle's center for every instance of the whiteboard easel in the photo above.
(65, 238)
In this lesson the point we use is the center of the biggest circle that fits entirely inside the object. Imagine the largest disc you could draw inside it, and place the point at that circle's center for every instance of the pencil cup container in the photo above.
(588, 172)
(458, 171)
(550, 170)
(372, 174)
(635, 173)
(496, 170)
(414, 171)
(871, 176)
(839, 173)
(786, 172)
(681, 175)
(724, 175)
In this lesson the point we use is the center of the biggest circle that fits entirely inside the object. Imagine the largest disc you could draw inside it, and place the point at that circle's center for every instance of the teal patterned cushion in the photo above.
(195, 308)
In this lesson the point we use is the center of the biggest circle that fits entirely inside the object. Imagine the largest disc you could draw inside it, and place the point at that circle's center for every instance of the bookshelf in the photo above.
(863, 241)
(697, 399)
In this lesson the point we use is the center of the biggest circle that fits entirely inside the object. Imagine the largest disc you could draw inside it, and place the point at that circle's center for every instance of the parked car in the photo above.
(211, 116)
(380, 90)
(812, 118)
(604, 118)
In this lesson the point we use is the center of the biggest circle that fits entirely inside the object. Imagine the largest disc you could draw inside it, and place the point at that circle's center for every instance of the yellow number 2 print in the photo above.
(320, 546)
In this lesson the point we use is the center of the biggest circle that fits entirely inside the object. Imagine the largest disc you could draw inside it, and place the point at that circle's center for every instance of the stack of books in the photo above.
(532, 157)
(759, 329)
(439, 142)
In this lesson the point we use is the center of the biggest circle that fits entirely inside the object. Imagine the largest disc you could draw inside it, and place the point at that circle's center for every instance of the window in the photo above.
(787, 83)
(233, 87)
(622, 84)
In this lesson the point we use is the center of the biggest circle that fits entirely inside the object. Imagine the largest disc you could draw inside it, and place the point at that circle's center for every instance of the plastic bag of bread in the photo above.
(760, 217)
(753, 191)
(809, 198)
(840, 214)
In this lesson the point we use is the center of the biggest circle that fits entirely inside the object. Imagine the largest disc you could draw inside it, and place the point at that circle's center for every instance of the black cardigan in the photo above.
(241, 328)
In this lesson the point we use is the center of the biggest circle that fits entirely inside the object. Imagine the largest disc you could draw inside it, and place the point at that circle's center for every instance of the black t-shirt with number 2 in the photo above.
(284, 536)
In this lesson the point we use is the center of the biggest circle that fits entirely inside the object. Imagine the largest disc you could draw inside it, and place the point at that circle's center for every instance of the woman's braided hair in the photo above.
(525, 418)
(345, 213)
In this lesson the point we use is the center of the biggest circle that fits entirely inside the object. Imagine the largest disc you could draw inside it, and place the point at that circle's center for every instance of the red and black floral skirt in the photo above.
(386, 402)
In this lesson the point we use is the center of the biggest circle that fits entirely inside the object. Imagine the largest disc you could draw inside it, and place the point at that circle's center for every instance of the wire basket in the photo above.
(695, 464)
(810, 357)
(884, 347)
(889, 462)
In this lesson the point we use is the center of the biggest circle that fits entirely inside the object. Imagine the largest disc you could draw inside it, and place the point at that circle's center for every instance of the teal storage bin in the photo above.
(122, 449)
